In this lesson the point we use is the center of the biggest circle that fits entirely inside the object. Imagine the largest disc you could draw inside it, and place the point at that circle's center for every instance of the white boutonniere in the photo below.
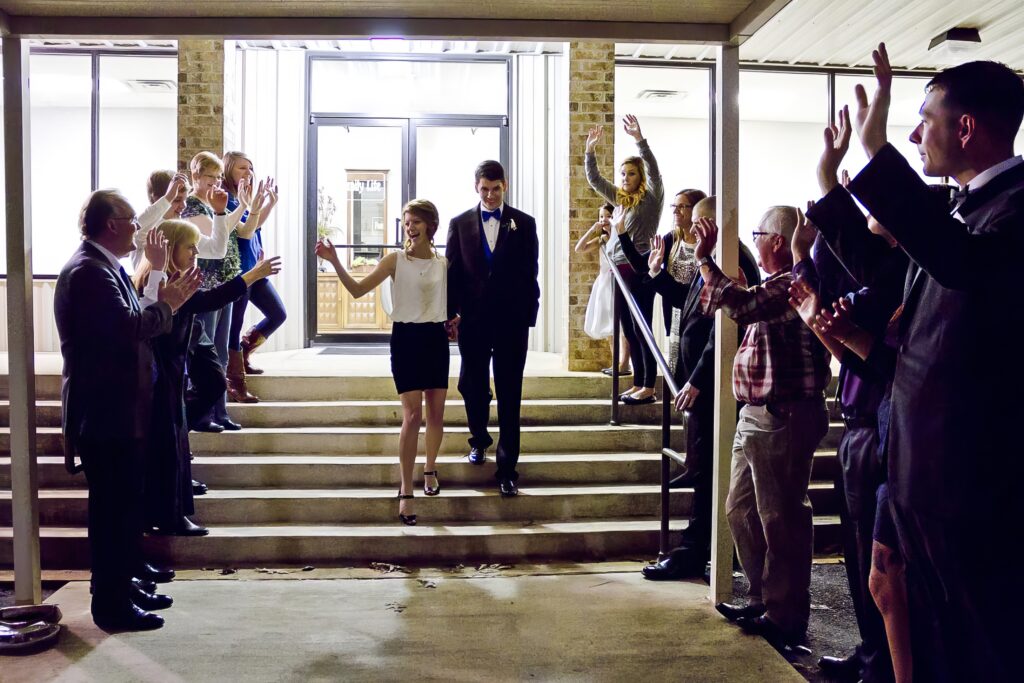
(512, 225)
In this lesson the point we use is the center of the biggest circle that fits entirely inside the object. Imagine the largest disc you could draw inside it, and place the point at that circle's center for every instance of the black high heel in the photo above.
(427, 490)
(408, 520)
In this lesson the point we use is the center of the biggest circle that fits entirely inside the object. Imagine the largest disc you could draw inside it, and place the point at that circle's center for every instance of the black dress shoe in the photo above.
(198, 488)
(845, 668)
(144, 585)
(229, 425)
(671, 569)
(611, 371)
(207, 426)
(150, 573)
(150, 601)
(186, 527)
(129, 618)
(477, 456)
(735, 612)
(508, 488)
(770, 631)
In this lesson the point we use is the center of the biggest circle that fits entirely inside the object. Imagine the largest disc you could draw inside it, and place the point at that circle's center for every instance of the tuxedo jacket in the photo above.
(108, 375)
(953, 442)
(507, 288)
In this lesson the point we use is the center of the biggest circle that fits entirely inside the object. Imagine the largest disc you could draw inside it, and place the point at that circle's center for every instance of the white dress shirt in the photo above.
(491, 226)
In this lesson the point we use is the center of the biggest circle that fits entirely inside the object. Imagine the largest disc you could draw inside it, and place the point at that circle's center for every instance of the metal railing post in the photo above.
(666, 445)
(616, 332)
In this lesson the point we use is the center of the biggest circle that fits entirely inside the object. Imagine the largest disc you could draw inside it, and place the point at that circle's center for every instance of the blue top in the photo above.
(248, 249)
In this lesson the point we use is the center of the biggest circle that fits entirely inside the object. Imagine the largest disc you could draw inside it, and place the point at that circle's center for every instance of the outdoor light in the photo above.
(957, 41)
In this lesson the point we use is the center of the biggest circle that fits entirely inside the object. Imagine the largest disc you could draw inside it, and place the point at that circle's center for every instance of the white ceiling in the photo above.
(843, 33)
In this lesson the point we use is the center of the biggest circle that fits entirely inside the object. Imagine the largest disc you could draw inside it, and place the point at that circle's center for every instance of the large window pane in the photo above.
(672, 107)
(907, 96)
(138, 122)
(61, 96)
(401, 88)
(782, 116)
(446, 158)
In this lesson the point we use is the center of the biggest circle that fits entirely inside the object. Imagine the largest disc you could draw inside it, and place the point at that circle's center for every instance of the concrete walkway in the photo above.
(600, 625)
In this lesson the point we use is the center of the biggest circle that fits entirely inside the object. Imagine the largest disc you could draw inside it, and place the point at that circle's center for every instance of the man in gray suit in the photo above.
(106, 395)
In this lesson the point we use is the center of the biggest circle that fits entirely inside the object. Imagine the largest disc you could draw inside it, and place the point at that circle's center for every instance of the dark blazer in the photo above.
(107, 386)
(696, 363)
(953, 426)
(508, 288)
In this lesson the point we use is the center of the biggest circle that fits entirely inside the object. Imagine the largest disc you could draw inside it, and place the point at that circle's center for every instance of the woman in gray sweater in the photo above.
(640, 195)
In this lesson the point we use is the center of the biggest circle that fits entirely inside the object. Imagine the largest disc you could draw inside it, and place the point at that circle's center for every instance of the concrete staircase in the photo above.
(312, 479)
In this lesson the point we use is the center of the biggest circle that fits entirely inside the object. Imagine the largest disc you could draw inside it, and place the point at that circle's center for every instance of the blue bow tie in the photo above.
(488, 215)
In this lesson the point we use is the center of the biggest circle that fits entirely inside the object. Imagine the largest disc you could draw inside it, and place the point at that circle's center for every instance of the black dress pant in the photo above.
(645, 368)
(206, 376)
(696, 539)
(115, 472)
(480, 342)
(862, 472)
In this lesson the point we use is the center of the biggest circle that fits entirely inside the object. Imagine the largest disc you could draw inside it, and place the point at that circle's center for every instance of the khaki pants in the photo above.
(768, 508)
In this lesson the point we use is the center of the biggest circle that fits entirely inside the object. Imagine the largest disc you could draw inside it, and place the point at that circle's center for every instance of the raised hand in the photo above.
(180, 288)
(325, 250)
(804, 299)
(632, 127)
(245, 192)
(266, 267)
(260, 196)
(156, 250)
(656, 258)
(272, 193)
(706, 232)
(844, 178)
(803, 236)
(839, 323)
(177, 186)
(871, 120)
(218, 200)
(837, 143)
(593, 137)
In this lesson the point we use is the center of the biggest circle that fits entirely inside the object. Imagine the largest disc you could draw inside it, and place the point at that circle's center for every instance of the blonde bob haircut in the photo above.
(425, 210)
(205, 162)
(177, 232)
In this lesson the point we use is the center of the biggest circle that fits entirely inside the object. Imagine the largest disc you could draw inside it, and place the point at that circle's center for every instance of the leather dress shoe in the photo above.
(845, 668)
(153, 574)
(207, 426)
(508, 488)
(770, 631)
(477, 456)
(671, 569)
(611, 371)
(229, 425)
(144, 585)
(129, 618)
(199, 488)
(150, 601)
(186, 527)
(735, 612)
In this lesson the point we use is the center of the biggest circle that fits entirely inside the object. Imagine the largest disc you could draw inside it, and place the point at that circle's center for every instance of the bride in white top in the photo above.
(419, 339)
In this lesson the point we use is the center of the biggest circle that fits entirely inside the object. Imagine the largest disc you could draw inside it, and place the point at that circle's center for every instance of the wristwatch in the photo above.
(705, 261)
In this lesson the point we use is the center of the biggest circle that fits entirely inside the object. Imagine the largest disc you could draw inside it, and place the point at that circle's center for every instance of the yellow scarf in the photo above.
(630, 200)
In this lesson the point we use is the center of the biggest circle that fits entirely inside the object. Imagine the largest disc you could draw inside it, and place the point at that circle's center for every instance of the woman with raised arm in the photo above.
(237, 169)
(419, 339)
(169, 485)
(641, 195)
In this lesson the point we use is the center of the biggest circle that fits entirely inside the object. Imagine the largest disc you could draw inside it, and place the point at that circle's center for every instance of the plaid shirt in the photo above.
(779, 359)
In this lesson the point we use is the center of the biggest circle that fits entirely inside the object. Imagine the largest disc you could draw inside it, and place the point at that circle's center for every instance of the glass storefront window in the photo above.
(404, 87)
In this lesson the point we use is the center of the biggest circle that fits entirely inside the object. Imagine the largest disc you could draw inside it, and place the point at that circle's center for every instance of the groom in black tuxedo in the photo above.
(493, 298)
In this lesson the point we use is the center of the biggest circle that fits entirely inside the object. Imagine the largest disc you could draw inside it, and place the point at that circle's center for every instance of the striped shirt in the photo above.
(779, 359)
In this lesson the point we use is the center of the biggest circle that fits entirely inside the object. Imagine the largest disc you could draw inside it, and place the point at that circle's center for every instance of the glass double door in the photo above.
(362, 172)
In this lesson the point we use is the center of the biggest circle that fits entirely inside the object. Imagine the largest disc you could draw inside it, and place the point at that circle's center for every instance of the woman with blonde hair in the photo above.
(169, 470)
(640, 197)
(419, 339)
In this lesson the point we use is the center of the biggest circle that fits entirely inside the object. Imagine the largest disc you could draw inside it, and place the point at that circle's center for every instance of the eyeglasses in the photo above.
(132, 219)
(680, 207)
(758, 233)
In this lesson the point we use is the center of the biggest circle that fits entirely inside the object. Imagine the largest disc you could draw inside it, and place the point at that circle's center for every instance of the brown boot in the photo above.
(237, 391)
(251, 341)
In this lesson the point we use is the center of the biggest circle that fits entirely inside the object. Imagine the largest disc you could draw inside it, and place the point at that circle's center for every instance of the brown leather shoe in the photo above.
(251, 341)
(237, 391)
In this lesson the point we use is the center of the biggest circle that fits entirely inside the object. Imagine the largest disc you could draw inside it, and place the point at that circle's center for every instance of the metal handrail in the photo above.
(669, 389)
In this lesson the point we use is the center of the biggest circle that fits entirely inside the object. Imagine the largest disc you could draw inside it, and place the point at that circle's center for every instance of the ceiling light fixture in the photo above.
(957, 41)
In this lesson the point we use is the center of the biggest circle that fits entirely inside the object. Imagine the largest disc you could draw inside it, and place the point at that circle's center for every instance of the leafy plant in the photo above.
(325, 209)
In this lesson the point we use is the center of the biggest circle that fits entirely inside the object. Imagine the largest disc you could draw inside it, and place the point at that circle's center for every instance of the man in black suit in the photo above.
(106, 397)
(953, 442)
(493, 298)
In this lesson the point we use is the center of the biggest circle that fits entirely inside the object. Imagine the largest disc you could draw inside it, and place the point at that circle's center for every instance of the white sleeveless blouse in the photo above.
(420, 290)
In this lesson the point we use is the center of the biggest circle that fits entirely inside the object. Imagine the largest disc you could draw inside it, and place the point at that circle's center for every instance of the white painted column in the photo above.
(727, 181)
(24, 485)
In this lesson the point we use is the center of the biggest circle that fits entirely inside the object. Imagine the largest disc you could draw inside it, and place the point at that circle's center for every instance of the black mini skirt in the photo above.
(419, 356)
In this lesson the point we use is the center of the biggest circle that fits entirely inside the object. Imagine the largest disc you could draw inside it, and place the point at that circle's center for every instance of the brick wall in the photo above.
(200, 98)
(591, 102)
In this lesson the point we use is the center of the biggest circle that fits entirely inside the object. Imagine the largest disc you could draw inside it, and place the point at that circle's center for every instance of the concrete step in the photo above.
(384, 440)
(353, 545)
(535, 412)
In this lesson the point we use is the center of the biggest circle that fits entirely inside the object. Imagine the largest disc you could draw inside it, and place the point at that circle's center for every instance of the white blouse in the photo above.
(420, 290)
